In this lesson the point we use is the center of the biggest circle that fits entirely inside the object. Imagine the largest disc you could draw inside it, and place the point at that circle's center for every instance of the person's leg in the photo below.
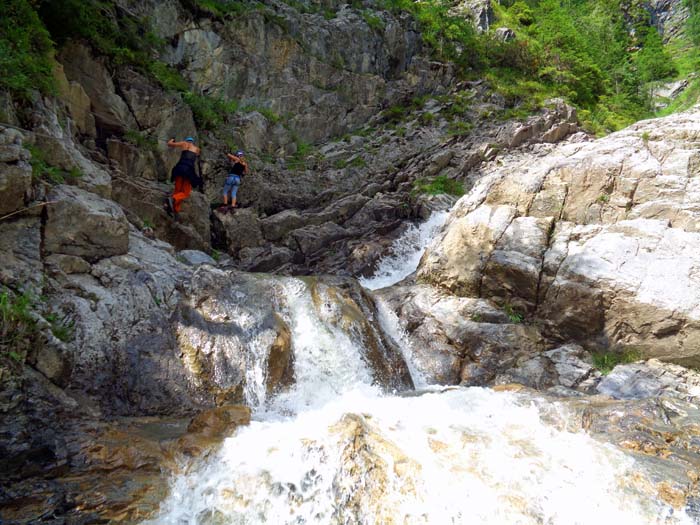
(234, 191)
(227, 189)
(183, 188)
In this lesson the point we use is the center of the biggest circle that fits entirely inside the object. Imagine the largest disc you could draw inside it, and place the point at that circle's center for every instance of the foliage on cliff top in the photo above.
(25, 51)
(598, 54)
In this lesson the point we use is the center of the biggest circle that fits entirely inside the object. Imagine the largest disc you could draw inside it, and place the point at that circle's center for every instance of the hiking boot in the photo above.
(169, 206)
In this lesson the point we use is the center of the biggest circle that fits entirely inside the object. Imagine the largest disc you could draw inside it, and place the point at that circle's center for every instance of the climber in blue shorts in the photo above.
(238, 170)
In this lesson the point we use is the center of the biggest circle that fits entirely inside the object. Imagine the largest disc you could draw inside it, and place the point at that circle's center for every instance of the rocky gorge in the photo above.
(244, 367)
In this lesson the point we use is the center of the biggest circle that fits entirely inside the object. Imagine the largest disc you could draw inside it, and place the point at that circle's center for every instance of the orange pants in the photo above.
(183, 188)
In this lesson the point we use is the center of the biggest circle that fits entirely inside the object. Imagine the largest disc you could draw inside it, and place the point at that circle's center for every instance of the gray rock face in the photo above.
(82, 224)
(479, 11)
(650, 379)
(339, 70)
(583, 240)
(20, 258)
(459, 340)
(15, 171)
(668, 16)
(110, 111)
(277, 226)
(504, 34)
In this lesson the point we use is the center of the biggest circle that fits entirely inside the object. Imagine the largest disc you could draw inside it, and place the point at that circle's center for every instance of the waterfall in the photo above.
(460, 456)
(335, 450)
(406, 252)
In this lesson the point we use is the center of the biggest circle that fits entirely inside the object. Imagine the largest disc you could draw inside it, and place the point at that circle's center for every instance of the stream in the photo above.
(337, 449)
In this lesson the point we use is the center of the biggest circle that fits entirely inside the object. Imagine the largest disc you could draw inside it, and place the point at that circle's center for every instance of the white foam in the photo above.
(461, 456)
(406, 252)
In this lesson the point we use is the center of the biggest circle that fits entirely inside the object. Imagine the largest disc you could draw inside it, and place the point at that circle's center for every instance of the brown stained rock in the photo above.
(111, 112)
(346, 305)
(220, 421)
(77, 101)
(280, 363)
(366, 461)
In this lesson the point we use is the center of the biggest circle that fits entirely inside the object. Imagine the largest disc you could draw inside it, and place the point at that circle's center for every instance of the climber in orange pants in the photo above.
(183, 188)
(184, 174)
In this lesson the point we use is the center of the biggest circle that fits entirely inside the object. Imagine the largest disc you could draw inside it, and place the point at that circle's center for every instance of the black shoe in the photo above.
(169, 206)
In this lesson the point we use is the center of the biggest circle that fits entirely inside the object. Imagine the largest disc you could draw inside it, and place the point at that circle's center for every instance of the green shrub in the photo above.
(522, 13)
(438, 185)
(18, 327)
(209, 112)
(460, 129)
(62, 328)
(373, 20)
(606, 361)
(514, 316)
(42, 170)
(141, 140)
(25, 51)
(220, 8)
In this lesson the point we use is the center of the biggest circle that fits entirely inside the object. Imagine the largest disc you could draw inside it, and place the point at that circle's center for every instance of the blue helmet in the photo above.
(189, 139)
(239, 153)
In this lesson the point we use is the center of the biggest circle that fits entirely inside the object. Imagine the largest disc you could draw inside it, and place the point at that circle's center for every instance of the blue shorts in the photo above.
(231, 185)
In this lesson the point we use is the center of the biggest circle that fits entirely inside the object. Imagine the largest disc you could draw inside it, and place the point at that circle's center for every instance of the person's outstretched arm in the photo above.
(233, 158)
(173, 144)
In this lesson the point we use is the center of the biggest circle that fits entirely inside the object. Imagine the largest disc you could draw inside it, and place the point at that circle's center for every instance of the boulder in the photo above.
(311, 239)
(573, 365)
(650, 379)
(277, 226)
(237, 230)
(228, 322)
(267, 259)
(55, 360)
(343, 303)
(67, 263)
(220, 421)
(459, 340)
(195, 258)
(504, 34)
(83, 224)
(144, 202)
(15, 180)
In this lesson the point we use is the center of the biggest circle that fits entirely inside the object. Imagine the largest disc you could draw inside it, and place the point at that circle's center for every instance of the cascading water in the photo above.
(335, 450)
(406, 252)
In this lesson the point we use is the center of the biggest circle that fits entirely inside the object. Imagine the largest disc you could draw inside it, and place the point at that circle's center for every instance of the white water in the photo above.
(334, 450)
(406, 252)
